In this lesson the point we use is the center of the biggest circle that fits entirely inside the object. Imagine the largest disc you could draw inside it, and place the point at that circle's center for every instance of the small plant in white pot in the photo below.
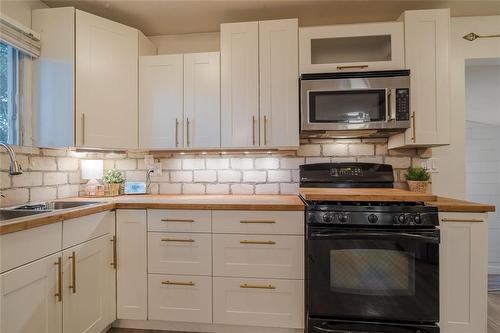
(114, 180)
(418, 179)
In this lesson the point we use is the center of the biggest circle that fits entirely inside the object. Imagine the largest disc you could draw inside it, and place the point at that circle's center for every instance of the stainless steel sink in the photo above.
(8, 214)
(55, 205)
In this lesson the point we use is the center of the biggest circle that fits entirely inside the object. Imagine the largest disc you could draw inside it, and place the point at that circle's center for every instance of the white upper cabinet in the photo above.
(240, 84)
(202, 100)
(427, 48)
(351, 47)
(179, 101)
(278, 67)
(85, 84)
(160, 101)
(106, 89)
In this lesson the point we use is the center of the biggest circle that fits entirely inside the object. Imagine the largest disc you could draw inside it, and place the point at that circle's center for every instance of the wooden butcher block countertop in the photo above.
(364, 194)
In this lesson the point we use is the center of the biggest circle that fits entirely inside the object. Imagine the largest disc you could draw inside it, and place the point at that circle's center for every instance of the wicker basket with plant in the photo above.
(418, 179)
(114, 180)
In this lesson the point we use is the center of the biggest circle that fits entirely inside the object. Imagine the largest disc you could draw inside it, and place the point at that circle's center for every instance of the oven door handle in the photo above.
(328, 330)
(379, 235)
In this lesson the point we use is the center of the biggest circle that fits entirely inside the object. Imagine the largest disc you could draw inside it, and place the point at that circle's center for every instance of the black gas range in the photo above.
(371, 267)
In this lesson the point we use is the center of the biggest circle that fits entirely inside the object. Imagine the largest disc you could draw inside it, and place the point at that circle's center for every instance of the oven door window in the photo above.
(371, 275)
(349, 106)
(372, 272)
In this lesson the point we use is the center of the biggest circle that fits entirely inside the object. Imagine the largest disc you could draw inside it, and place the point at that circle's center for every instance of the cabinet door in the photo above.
(88, 283)
(160, 101)
(427, 44)
(202, 100)
(28, 301)
(463, 273)
(131, 279)
(279, 100)
(240, 84)
(106, 83)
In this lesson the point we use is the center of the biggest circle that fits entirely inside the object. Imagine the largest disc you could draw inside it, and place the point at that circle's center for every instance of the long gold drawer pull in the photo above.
(461, 220)
(413, 127)
(177, 220)
(59, 279)
(255, 286)
(258, 221)
(257, 242)
(177, 240)
(178, 283)
(351, 67)
(73, 272)
(114, 264)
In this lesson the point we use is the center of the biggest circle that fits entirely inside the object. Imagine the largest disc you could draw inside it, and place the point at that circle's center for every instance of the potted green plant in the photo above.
(418, 179)
(114, 180)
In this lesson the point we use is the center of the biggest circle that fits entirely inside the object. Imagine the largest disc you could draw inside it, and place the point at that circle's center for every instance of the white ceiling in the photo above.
(163, 17)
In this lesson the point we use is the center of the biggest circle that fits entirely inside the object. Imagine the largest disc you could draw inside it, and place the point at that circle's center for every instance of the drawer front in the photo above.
(259, 302)
(180, 298)
(82, 229)
(19, 248)
(179, 220)
(258, 222)
(179, 253)
(266, 256)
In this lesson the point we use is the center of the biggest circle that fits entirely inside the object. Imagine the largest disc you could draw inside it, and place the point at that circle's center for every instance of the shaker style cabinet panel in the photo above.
(88, 286)
(240, 84)
(160, 101)
(463, 273)
(131, 272)
(278, 68)
(28, 301)
(106, 89)
(427, 55)
(202, 100)
(350, 47)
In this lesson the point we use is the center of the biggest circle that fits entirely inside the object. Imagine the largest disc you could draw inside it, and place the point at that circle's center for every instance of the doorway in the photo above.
(482, 151)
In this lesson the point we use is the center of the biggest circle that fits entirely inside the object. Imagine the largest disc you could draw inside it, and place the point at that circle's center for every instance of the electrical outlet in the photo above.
(149, 161)
(157, 171)
(431, 165)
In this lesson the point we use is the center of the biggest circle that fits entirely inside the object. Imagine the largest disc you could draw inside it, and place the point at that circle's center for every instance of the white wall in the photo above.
(482, 89)
(21, 10)
(187, 43)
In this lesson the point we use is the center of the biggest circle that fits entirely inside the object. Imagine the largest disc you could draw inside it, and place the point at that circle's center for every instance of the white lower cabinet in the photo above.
(180, 298)
(259, 302)
(28, 301)
(88, 286)
(464, 273)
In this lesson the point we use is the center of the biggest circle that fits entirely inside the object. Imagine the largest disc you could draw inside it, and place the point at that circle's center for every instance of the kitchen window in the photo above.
(10, 61)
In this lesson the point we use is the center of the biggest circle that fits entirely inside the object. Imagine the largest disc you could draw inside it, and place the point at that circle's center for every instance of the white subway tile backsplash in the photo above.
(339, 149)
(5, 180)
(170, 188)
(126, 164)
(398, 162)
(254, 176)
(217, 163)
(38, 163)
(42, 193)
(242, 163)
(205, 176)
(229, 176)
(193, 188)
(289, 188)
(267, 163)
(267, 189)
(242, 189)
(181, 176)
(280, 176)
(217, 188)
(67, 164)
(361, 149)
(309, 150)
(14, 196)
(291, 162)
(27, 179)
(193, 163)
(171, 163)
(68, 190)
(55, 178)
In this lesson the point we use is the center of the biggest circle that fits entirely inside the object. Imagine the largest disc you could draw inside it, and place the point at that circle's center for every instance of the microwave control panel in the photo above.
(402, 104)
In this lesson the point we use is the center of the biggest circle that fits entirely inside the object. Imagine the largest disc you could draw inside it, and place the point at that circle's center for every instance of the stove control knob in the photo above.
(327, 218)
(343, 218)
(372, 218)
(417, 219)
(401, 218)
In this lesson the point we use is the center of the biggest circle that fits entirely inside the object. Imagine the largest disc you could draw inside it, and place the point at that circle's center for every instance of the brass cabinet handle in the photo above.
(187, 132)
(73, 272)
(413, 127)
(177, 220)
(257, 221)
(258, 242)
(461, 220)
(114, 264)
(83, 129)
(255, 286)
(350, 67)
(178, 283)
(253, 130)
(265, 130)
(181, 240)
(176, 132)
(59, 279)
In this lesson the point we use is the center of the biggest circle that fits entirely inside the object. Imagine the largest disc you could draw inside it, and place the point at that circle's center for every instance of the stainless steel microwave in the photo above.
(377, 101)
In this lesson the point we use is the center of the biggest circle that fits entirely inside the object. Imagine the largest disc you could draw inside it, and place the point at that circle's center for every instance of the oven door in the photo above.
(335, 326)
(373, 274)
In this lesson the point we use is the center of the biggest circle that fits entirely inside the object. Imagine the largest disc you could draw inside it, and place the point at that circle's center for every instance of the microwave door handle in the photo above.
(379, 235)
(391, 104)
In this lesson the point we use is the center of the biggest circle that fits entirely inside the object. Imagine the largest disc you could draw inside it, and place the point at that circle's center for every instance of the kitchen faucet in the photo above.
(15, 167)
